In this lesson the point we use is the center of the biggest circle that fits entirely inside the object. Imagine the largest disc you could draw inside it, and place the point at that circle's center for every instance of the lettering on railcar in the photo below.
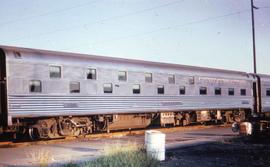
(220, 81)
(71, 105)
(171, 103)
(245, 102)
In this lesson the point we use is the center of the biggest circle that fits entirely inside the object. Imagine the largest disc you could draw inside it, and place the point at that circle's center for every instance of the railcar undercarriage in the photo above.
(255, 125)
(59, 127)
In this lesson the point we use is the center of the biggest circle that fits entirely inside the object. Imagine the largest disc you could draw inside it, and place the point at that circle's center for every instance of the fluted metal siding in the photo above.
(266, 104)
(40, 105)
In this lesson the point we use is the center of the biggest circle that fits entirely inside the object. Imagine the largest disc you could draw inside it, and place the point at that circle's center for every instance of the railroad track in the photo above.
(18, 143)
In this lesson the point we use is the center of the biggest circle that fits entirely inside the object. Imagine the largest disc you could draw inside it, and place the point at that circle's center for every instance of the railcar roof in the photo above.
(124, 60)
(264, 76)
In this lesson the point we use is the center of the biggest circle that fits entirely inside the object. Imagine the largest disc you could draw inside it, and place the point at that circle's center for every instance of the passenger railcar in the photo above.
(52, 94)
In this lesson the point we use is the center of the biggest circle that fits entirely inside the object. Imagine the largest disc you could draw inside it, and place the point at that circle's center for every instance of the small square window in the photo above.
(203, 91)
(243, 92)
(148, 77)
(267, 91)
(17, 55)
(231, 91)
(122, 76)
(107, 88)
(171, 79)
(136, 89)
(160, 89)
(182, 90)
(35, 86)
(91, 74)
(217, 91)
(55, 72)
(191, 80)
(74, 87)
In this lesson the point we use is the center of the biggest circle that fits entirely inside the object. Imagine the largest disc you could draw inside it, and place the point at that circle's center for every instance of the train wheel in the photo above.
(185, 122)
(33, 133)
(53, 131)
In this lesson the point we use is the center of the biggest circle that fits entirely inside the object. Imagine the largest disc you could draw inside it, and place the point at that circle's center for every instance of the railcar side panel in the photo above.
(265, 93)
(56, 99)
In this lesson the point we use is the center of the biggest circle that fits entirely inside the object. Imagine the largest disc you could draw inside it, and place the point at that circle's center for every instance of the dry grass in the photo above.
(121, 155)
(116, 155)
(118, 147)
(41, 157)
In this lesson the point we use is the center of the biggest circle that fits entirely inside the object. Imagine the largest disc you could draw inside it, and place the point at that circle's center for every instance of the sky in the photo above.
(207, 33)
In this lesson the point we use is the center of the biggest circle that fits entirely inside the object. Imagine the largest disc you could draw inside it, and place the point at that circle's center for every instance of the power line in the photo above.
(140, 11)
(264, 7)
(173, 27)
(46, 14)
(103, 20)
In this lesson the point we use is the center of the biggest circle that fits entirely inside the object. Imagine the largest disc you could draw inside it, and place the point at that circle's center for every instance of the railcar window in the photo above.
(171, 79)
(191, 80)
(17, 55)
(267, 91)
(35, 86)
(231, 91)
(160, 89)
(136, 89)
(91, 73)
(74, 87)
(122, 76)
(182, 90)
(217, 91)
(203, 91)
(107, 88)
(55, 72)
(148, 77)
(243, 92)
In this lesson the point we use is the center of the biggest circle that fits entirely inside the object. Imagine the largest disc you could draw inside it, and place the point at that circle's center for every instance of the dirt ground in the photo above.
(241, 152)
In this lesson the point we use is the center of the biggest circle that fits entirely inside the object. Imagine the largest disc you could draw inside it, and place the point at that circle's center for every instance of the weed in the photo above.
(42, 157)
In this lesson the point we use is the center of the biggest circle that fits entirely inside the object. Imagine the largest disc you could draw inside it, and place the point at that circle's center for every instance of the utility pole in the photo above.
(257, 86)
(253, 37)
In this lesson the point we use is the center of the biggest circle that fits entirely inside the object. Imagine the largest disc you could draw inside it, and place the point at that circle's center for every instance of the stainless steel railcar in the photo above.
(52, 94)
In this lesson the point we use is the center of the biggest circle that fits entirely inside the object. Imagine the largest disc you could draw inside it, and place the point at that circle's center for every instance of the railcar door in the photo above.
(3, 94)
(255, 104)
